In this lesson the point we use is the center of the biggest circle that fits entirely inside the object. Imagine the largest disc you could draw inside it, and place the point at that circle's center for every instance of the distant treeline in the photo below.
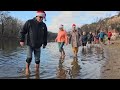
(51, 36)
(10, 27)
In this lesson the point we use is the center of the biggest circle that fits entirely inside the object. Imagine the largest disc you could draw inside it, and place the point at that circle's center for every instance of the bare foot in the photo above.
(37, 74)
(27, 72)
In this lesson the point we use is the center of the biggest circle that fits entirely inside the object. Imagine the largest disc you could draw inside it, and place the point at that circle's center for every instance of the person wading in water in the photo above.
(74, 39)
(36, 31)
(62, 39)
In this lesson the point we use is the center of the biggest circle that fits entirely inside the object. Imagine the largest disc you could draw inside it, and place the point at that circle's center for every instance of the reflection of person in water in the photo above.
(75, 68)
(27, 77)
(98, 51)
(84, 51)
(89, 51)
(37, 75)
(61, 71)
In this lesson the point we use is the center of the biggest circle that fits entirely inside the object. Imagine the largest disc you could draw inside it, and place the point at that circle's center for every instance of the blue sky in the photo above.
(67, 18)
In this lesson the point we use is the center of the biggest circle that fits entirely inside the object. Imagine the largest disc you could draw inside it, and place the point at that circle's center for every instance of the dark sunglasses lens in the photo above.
(41, 17)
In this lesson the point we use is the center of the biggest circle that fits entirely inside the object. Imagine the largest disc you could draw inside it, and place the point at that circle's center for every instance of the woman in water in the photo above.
(62, 39)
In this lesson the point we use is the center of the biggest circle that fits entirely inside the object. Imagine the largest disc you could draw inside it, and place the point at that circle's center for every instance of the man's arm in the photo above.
(23, 32)
(70, 36)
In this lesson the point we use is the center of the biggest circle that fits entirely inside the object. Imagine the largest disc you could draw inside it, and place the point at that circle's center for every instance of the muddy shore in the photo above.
(111, 69)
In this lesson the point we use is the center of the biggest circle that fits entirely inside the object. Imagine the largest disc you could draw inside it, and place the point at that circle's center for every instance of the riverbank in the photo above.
(111, 69)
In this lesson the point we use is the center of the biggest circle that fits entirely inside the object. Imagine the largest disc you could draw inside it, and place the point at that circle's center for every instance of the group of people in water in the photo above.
(36, 33)
(77, 39)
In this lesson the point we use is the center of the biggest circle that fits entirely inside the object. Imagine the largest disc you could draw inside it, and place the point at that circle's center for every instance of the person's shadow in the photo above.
(61, 72)
(75, 69)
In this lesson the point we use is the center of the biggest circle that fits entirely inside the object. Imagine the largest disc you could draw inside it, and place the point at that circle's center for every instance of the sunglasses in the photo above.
(40, 17)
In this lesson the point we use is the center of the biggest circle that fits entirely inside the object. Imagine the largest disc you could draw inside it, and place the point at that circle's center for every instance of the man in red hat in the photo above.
(74, 39)
(36, 31)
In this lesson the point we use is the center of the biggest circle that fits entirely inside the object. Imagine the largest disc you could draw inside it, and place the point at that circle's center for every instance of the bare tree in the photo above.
(3, 16)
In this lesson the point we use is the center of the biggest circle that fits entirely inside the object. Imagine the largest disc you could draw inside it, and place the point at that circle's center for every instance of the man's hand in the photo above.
(22, 44)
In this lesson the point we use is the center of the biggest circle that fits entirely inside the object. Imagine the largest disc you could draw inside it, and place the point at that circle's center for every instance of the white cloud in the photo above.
(67, 18)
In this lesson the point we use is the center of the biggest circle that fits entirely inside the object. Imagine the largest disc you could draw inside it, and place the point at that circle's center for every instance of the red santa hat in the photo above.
(73, 25)
(42, 14)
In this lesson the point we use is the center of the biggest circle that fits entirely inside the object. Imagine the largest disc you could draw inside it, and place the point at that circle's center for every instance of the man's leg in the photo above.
(83, 45)
(73, 48)
(37, 53)
(76, 51)
(102, 44)
(90, 43)
(63, 52)
(60, 50)
(29, 59)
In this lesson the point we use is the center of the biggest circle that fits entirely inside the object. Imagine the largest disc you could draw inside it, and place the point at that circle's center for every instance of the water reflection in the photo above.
(8, 45)
(12, 62)
(65, 72)
(28, 77)
(84, 51)
(37, 75)
(89, 51)
(75, 69)
(33, 75)
(61, 72)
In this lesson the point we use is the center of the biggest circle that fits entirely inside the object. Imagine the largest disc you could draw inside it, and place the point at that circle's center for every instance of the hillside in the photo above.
(105, 24)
